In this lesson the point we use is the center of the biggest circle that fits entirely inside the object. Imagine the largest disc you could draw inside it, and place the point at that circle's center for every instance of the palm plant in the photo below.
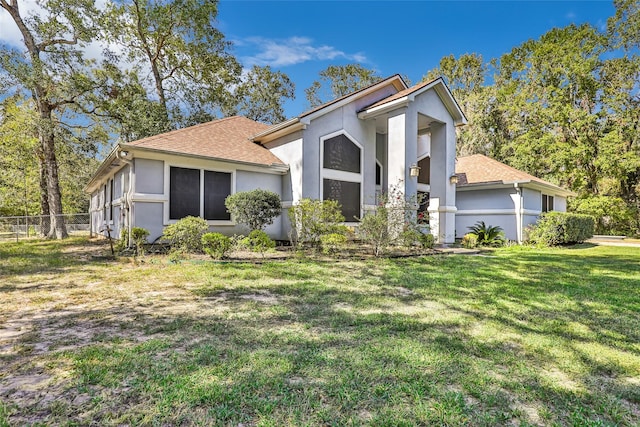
(487, 235)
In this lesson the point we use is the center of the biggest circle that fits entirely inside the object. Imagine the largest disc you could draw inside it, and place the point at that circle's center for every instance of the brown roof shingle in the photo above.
(226, 139)
(480, 169)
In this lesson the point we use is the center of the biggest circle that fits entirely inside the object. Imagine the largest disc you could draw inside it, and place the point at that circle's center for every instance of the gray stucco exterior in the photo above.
(384, 121)
(511, 207)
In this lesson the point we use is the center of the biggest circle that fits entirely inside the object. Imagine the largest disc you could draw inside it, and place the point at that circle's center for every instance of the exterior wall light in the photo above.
(453, 179)
(414, 170)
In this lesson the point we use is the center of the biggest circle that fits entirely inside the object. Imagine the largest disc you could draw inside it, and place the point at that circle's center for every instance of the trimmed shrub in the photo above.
(427, 240)
(611, 214)
(259, 241)
(216, 245)
(186, 234)
(311, 219)
(254, 209)
(139, 236)
(470, 241)
(332, 243)
(487, 235)
(409, 237)
(559, 228)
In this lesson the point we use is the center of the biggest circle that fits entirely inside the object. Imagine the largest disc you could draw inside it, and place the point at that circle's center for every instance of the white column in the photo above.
(402, 148)
(442, 202)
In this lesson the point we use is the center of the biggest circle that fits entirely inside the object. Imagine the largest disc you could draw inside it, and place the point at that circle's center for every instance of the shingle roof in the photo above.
(226, 139)
(480, 169)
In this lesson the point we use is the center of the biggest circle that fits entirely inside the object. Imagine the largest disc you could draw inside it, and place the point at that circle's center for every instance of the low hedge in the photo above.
(560, 228)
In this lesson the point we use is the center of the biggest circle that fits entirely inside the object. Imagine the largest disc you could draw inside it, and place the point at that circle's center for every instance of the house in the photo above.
(349, 149)
(497, 194)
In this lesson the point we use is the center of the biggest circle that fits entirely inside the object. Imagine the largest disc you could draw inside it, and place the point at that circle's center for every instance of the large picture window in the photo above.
(341, 172)
(347, 194)
(194, 192)
(340, 153)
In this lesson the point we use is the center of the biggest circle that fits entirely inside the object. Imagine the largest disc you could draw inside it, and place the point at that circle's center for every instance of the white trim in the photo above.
(527, 212)
(338, 175)
(445, 208)
(148, 197)
(166, 201)
(425, 188)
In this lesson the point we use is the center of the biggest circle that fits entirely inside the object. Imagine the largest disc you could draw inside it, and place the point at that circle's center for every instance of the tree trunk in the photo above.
(58, 229)
(45, 221)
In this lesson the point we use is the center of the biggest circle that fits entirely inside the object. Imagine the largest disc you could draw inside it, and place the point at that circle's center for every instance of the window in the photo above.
(425, 170)
(184, 193)
(111, 199)
(341, 174)
(378, 174)
(347, 194)
(194, 192)
(547, 203)
(341, 154)
(217, 187)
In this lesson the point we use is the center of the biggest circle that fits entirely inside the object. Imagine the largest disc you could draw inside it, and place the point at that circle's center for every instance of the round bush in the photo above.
(186, 234)
(216, 245)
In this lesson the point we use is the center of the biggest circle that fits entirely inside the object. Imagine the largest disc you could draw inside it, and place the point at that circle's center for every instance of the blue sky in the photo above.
(301, 38)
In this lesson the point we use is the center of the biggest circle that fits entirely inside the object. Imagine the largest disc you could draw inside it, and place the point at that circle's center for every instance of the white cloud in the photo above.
(291, 51)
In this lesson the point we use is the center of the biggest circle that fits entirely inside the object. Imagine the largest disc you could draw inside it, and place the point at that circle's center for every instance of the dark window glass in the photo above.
(378, 174)
(425, 170)
(340, 153)
(184, 192)
(217, 187)
(547, 203)
(347, 194)
(111, 200)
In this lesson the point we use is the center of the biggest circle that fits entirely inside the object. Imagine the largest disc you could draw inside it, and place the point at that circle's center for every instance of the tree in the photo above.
(465, 76)
(339, 80)
(54, 71)
(624, 27)
(261, 94)
(186, 57)
(548, 93)
(19, 173)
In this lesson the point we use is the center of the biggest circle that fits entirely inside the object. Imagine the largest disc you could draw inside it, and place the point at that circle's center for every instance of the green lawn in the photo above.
(520, 336)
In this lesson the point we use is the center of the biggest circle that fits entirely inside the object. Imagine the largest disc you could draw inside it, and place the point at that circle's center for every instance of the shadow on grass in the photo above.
(437, 340)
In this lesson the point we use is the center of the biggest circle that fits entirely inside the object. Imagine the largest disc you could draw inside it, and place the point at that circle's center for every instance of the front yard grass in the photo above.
(518, 336)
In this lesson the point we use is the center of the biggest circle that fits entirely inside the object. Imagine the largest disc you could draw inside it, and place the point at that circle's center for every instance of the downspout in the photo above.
(124, 156)
(519, 213)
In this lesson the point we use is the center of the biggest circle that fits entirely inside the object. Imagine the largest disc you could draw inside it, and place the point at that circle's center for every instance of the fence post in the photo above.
(17, 230)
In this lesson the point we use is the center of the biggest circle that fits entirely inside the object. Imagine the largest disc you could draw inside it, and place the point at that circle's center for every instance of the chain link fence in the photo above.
(24, 227)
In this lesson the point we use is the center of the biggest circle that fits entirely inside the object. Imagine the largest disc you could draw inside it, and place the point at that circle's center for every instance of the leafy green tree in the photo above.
(54, 71)
(466, 78)
(261, 95)
(186, 57)
(19, 149)
(339, 80)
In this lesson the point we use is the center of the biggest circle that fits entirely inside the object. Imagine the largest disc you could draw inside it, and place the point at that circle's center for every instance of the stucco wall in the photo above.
(289, 150)
(151, 195)
(493, 206)
(149, 176)
(532, 199)
(500, 198)
(507, 222)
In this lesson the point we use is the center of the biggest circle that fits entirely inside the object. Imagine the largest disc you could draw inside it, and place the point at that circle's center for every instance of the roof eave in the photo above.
(279, 130)
(279, 167)
(518, 183)
(103, 167)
